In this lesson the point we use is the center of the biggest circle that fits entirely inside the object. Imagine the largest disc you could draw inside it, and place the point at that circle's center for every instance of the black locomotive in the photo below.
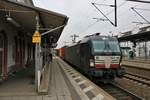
(96, 56)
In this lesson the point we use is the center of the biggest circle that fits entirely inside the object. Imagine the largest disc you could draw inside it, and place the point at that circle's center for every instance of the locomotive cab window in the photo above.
(105, 46)
(98, 46)
(114, 46)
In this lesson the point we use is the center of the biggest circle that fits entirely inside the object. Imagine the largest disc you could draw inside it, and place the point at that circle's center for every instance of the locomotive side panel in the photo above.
(72, 55)
(85, 56)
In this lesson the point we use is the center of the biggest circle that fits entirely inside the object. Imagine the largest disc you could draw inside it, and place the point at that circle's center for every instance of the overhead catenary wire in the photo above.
(131, 24)
(115, 9)
(141, 1)
(139, 22)
(105, 15)
(104, 5)
(92, 24)
(89, 26)
(98, 0)
(136, 17)
(122, 14)
(118, 7)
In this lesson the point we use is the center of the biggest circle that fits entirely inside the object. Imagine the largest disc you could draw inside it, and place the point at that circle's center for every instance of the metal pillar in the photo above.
(37, 67)
(37, 59)
(38, 56)
(115, 13)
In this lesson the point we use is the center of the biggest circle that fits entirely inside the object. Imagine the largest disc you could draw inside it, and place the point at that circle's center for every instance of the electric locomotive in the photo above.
(96, 56)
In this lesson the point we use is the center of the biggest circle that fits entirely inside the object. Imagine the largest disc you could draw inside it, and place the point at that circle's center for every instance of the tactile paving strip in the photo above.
(82, 85)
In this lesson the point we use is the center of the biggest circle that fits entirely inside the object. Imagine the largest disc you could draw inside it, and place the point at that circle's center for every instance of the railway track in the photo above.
(138, 73)
(138, 79)
(119, 93)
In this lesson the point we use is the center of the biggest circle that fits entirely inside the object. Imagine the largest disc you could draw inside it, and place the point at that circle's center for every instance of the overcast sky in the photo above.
(82, 12)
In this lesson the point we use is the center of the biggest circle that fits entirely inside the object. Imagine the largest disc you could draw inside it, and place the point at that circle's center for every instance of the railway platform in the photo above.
(137, 62)
(65, 83)
(138, 66)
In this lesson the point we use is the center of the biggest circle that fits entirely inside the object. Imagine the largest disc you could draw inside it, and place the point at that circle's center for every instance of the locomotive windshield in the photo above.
(114, 46)
(98, 46)
(105, 46)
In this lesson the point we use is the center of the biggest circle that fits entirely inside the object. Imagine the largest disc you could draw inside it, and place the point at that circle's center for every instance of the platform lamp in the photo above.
(12, 21)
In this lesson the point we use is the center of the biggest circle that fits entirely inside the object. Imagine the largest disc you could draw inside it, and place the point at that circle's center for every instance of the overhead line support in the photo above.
(140, 15)
(103, 14)
(116, 13)
(115, 7)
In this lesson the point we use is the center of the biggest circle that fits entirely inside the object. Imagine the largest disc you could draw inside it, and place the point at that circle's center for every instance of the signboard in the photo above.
(36, 38)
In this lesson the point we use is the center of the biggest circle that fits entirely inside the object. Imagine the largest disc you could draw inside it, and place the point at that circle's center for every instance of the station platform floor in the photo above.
(65, 83)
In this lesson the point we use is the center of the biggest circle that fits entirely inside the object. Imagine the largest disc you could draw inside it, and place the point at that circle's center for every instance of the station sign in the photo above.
(36, 38)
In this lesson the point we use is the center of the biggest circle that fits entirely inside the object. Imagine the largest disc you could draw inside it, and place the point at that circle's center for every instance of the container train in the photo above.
(96, 56)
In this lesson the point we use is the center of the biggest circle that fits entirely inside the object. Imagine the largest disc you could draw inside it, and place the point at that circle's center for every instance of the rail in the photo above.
(143, 66)
(138, 78)
(119, 93)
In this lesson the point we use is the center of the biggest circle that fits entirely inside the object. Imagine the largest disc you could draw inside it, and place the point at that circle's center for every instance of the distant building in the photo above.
(141, 47)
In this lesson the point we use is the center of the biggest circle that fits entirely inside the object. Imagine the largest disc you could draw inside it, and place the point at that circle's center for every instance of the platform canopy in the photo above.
(24, 17)
(141, 36)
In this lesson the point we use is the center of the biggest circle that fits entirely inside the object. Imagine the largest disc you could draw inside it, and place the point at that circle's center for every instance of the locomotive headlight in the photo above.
(91, 63)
